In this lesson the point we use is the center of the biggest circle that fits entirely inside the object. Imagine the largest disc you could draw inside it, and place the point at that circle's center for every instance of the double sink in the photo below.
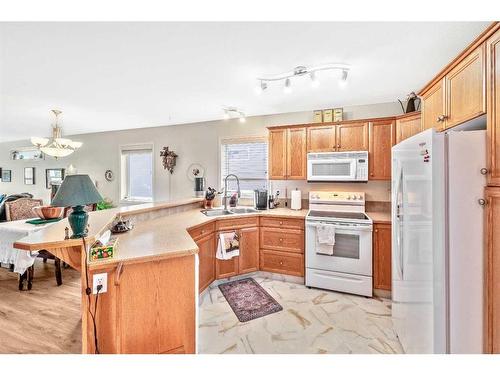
(232, 211)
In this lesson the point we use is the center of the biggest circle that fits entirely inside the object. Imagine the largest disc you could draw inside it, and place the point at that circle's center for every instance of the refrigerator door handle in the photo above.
(399, 219)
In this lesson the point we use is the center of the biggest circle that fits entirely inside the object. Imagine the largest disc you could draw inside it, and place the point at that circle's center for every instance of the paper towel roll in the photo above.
(296, 200)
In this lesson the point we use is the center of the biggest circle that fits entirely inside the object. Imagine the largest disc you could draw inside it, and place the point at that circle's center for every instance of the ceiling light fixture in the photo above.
(233, 112)
(301, 71)
(261, 87)
(288, 86)
(57, 146)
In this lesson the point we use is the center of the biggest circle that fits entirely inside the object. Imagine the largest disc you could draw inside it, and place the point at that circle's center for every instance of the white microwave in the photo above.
(337, 166)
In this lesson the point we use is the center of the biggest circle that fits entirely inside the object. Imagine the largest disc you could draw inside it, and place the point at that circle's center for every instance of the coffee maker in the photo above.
(260, 199)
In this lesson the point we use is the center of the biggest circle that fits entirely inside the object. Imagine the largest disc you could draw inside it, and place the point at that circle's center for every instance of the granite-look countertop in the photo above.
(380, 217)
(159, 238)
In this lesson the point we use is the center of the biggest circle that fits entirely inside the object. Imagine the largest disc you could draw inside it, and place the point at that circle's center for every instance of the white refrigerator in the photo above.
(437, 241)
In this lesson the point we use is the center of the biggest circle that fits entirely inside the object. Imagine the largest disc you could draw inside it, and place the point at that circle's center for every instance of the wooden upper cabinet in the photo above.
(321, 138)
(249, 250)
(382, 273)
(493, 99)
(433, 107)
(382, 138)
(408, 126)
(296, 154)
(465, 88)
(277, 154)
(352, 137)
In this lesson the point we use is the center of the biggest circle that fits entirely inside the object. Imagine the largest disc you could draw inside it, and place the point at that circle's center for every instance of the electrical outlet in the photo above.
(100, 279)
(277, 192)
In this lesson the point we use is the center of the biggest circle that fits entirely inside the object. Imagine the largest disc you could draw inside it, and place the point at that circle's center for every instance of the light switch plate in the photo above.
(100, 279)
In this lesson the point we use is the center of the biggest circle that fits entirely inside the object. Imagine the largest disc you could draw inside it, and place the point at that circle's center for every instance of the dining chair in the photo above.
(22, 209)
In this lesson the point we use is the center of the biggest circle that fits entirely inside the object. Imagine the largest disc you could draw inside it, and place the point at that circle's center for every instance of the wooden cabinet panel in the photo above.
(226, 268)
(352, 137)
(282, 222)
(206, 256)
(492, 271)
(321, 138)
(202, 231)
(408, 126)
(382, 275)
(296, 154)
(279, 262)
(493, 98)
(433, 106)
(288, 240)
(249, 250)
(465, 88)
(237, 223)
(277, 154)
(382, 138)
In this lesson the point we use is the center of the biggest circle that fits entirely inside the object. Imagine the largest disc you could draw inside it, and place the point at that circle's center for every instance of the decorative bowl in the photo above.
(48, 212)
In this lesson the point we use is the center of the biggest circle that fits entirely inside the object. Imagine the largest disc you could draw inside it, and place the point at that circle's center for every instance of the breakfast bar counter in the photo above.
(150, 302)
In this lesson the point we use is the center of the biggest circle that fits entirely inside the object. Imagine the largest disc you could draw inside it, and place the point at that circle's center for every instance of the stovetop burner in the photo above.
(339, 215)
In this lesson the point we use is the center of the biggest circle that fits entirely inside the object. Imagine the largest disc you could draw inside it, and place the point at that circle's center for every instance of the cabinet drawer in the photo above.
(282, 222)
(237, 223)
(202, 230)
(279, 262)
(289, 240)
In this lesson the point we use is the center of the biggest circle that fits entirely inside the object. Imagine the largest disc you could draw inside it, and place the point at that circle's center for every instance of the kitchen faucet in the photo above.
(225, 189)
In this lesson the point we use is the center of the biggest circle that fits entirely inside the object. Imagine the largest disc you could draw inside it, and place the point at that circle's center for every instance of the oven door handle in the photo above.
(347, 227)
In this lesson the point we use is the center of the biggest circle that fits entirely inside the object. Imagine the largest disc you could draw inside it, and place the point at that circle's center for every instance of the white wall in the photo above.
(194, 143)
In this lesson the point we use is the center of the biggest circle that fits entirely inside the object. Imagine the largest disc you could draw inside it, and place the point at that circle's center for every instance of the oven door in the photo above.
(331, 170)
(352, 252)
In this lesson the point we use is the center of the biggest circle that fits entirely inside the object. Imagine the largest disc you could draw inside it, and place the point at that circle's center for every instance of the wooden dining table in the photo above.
(18, 260)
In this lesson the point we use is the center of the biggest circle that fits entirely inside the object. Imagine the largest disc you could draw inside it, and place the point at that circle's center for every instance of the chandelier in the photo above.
(300, 71)
(57, 146)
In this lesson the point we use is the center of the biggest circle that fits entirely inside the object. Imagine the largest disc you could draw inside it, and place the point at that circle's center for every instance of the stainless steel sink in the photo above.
(216, 212)
(232, 211)
(243, 210)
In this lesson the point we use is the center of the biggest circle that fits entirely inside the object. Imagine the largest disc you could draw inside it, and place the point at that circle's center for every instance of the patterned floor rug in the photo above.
(248, 299)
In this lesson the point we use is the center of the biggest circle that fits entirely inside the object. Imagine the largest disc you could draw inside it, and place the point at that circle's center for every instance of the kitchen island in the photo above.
(152, 281)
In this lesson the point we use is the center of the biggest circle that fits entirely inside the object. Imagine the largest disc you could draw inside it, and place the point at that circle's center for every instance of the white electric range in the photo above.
(349, 267)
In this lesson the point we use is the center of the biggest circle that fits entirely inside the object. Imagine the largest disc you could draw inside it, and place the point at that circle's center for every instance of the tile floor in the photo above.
(312, 321)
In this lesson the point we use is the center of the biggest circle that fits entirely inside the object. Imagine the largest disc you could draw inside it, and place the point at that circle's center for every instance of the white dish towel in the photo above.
(325, 239)
(228, 246)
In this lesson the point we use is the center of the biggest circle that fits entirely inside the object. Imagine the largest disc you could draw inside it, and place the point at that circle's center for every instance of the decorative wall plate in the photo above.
(109, 175)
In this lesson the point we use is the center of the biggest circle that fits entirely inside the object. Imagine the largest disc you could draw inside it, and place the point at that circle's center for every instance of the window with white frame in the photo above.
(137, 173)
(247, 159)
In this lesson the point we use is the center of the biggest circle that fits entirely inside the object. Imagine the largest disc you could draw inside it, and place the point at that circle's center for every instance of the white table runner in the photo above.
(10, 232)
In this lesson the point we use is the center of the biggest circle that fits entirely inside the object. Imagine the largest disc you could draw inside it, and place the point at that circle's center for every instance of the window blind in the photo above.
(247, 159)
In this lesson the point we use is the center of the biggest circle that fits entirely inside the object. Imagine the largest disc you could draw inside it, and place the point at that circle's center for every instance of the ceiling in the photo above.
(111, 76)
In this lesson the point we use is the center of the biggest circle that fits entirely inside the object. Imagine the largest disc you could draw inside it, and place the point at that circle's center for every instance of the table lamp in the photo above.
(77, 191)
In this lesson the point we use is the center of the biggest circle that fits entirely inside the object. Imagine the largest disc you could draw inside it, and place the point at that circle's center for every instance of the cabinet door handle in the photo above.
(338, 146)
(482, 202)
(441, 118)
(281, 239)
(281, 223)
(118, 273)
(483, 171)
(281, 262)
(376, 230)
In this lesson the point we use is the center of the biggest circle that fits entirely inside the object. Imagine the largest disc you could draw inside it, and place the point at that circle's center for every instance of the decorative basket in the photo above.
(104, 252)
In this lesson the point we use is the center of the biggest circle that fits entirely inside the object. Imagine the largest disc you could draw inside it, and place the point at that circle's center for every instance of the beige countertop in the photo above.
(380, 217)
(163, 237)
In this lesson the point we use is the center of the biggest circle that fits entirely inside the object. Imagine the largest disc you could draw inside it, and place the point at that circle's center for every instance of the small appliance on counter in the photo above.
(260, 199)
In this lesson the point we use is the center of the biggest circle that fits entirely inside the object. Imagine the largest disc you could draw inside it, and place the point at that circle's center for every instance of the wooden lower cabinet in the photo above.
(249, 250)
(206, 255)
(282, 262)
(382, 274)
(492, 271)
(291, 240)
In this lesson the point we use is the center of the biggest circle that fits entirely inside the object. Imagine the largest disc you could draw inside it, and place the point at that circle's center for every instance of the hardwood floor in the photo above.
(43, 320)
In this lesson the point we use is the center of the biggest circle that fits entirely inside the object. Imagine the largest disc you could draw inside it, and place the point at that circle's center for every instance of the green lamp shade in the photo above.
(77, 191)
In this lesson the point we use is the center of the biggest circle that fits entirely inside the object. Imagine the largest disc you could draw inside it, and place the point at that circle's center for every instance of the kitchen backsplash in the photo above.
(379, 191)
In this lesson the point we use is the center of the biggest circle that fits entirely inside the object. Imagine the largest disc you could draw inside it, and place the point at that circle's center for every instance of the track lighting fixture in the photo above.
(233, 112)
(301, 71)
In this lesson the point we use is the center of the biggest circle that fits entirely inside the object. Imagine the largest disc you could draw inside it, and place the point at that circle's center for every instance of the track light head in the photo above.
(343, 78)
(288, 86)
(314, 79)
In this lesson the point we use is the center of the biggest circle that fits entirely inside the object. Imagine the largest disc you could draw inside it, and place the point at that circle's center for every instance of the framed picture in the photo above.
(54, 176)
(29, 176)
(6, 175)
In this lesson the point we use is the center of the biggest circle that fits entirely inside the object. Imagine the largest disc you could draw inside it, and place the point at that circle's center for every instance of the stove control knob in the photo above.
(348, 197)
(354, 197)
(360, 197)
